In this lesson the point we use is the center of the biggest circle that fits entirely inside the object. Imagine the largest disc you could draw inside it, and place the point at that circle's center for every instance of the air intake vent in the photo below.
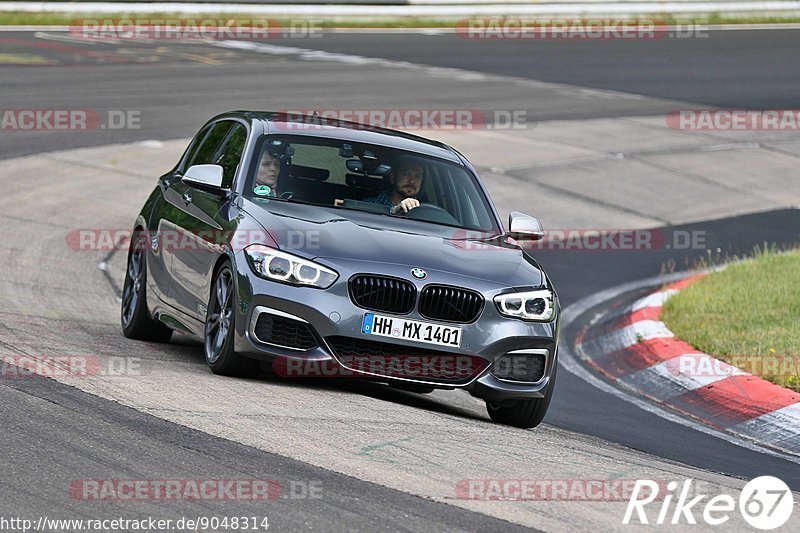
(381, 293)
(284, 331)
(520, 366)
(453, 304)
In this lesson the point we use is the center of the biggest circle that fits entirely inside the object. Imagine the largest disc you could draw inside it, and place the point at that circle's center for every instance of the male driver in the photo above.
(406, 181)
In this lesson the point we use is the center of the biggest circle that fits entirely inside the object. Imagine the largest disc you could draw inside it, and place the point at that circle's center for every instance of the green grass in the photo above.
(747, 314)
(18, 18)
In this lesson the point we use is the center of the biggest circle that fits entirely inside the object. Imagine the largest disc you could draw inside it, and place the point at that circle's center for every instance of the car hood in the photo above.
(316, 232)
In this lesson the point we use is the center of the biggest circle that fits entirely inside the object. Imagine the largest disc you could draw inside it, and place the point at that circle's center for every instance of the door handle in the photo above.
(187, 197)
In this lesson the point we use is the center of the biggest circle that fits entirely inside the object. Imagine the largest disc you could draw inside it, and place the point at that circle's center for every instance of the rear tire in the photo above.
(134, 317)
(524, 413)
(220, 327)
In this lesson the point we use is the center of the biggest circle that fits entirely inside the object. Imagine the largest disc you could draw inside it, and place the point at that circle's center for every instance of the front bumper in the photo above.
(330, 313)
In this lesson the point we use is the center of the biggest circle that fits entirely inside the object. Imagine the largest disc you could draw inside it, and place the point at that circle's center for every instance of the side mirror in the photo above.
(524, 227)
(207, 177)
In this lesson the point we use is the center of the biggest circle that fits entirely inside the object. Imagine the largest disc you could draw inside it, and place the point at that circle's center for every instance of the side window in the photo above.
(230, 152)
(446, 195)
(206, 152)
(427, 192)
(196, 142)
(469, 199)
(470, 213)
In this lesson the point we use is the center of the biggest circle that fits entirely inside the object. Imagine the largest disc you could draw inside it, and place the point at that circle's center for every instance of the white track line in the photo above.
(630, 335)
(657, 299)
(666, 380)
(447, 72)
(778, 424)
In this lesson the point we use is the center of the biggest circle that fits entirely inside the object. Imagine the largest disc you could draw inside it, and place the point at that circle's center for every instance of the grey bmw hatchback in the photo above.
(318, 248)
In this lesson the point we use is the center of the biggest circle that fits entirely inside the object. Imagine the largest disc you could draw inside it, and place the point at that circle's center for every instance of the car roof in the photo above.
(315, 126)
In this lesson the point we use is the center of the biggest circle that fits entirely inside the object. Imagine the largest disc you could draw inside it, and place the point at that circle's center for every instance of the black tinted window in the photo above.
(230, 153)
(207, 152)
(195, 146)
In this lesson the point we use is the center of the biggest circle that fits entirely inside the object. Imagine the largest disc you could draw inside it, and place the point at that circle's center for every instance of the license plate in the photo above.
(412, 330)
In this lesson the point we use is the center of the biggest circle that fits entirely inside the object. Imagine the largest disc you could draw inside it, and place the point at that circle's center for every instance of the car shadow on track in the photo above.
(376, 390)
(188, 350)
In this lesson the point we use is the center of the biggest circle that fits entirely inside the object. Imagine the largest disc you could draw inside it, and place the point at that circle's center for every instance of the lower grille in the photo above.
(284, 331)
(394, 360)
(524, 367)
(452, 304)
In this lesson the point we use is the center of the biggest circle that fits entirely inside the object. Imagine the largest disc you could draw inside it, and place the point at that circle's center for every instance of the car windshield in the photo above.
(365, 177)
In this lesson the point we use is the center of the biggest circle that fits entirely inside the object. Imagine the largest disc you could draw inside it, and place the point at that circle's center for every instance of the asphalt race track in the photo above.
(385, 459)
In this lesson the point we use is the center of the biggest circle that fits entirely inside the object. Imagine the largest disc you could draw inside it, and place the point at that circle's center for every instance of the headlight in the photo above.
(275, 265)
(531, 305)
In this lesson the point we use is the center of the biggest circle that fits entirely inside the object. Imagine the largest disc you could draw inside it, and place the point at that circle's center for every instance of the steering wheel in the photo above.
(430, 213)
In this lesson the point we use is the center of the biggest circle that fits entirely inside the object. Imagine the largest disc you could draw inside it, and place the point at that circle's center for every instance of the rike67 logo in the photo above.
(765, 503)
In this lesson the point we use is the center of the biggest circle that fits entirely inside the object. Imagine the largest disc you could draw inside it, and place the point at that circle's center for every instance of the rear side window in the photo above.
(223, 145)
(196, 142)
(229, 154)
(205, 153)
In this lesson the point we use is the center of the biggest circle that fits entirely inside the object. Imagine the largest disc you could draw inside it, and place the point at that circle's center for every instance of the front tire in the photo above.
(134, 316)
(524, 413)
(220, 326)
